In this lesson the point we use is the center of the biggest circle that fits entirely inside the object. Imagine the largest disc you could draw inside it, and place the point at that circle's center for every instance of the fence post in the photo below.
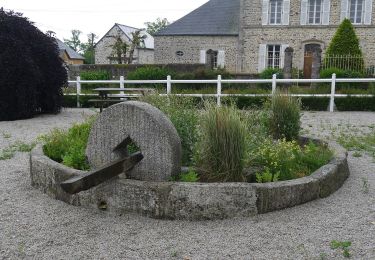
(122, 84)
(218, 90)
(274, 77)
(78, 90)
(333, 90)
(169, 85)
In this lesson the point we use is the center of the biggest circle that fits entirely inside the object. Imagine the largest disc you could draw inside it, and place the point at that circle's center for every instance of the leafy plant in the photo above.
(285, 117)
(344, 245)
(183, 114)
(267, 176)
(190, 176)
(221, 149)
(150, 73)
(68, 146)
(283, 160)
(7, 135)
(267, 74)
(94, 75)
(18, 146)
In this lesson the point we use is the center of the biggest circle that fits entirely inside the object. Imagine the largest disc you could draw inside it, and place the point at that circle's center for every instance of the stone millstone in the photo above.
(148, 128)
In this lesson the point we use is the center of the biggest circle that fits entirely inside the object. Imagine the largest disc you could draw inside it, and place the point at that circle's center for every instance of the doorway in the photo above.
(308, 59)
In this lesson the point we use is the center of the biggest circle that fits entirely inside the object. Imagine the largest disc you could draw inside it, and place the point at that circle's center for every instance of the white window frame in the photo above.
(354, 21)
(284, 12)
(314, 12)
(276, 14)
(274, 56)
(366, 15)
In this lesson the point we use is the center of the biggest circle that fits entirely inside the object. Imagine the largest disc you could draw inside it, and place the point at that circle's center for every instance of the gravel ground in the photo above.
(34, 226)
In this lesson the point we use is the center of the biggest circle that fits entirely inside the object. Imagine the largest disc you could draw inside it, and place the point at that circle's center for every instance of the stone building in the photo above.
(68, 55)
(250, 35)
(143, 54)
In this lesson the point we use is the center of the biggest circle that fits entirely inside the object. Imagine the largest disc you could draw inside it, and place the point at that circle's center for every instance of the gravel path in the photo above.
(34, 226)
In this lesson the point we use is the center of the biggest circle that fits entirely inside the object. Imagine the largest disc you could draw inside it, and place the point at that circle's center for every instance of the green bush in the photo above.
(183, 113)
(269, 72)
(150, 73)
(285, 117)
(283, 160)
(221, 149)
(345, 42)
(68, 146)
(95, 75)
(340, 73)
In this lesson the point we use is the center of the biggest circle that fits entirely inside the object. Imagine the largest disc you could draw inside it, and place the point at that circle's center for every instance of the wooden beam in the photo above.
(98, 176)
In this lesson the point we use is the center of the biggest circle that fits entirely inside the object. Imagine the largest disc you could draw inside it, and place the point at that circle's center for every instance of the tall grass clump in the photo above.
(221, 148)
(285, 119)
(183, 113)
(68, 146)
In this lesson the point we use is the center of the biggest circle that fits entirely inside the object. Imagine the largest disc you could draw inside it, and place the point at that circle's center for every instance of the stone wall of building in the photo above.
(104, 49)
(296, 35)
(166, 48)
(145, 56)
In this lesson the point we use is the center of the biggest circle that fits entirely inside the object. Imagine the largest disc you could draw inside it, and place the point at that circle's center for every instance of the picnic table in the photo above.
(106, 96)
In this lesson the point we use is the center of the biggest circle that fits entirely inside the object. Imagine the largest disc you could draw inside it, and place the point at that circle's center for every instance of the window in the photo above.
(275, 11)
(273, 56)
(179, 53)
(215, 59)
(356, 11)
(314, 11)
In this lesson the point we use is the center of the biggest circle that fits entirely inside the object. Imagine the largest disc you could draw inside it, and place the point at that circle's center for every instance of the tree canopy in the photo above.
(33, 74)
(345, 43)
(156, 26)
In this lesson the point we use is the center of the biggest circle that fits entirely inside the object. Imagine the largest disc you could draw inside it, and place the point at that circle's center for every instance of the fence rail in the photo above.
(219, 83)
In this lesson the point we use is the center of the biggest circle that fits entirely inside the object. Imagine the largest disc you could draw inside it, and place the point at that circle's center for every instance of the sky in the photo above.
(97, 16)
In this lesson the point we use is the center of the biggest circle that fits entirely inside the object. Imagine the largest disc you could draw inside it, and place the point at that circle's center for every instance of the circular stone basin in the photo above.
(191, 201)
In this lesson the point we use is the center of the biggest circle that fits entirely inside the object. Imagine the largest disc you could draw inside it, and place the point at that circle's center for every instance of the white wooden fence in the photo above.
(220, 82)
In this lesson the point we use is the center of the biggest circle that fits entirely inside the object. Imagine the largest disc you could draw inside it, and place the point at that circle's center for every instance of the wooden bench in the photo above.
(106, 97)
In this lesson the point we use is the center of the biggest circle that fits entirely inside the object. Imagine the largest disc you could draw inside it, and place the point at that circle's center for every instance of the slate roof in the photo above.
(216, 17)
(149, 41)
(71, 53)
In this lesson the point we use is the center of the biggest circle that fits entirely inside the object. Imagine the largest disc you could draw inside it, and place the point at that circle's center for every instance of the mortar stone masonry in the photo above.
(245, 52)
(190, 201)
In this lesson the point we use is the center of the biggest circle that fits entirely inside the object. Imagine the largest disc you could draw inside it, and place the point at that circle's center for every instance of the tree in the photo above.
(88, 48)
(120, 49)
(138, 41)
(74, 42)
(346, 43)
(32, 73)
(155, 27)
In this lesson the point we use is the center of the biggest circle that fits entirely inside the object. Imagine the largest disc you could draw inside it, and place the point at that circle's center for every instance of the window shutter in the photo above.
(262, 57)
(368, 11)
(282, 55)
(344, 9)
(326, 11)
(202, 59)
(304, 4)
(265, 5)
(286, 12)
(221, 59)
